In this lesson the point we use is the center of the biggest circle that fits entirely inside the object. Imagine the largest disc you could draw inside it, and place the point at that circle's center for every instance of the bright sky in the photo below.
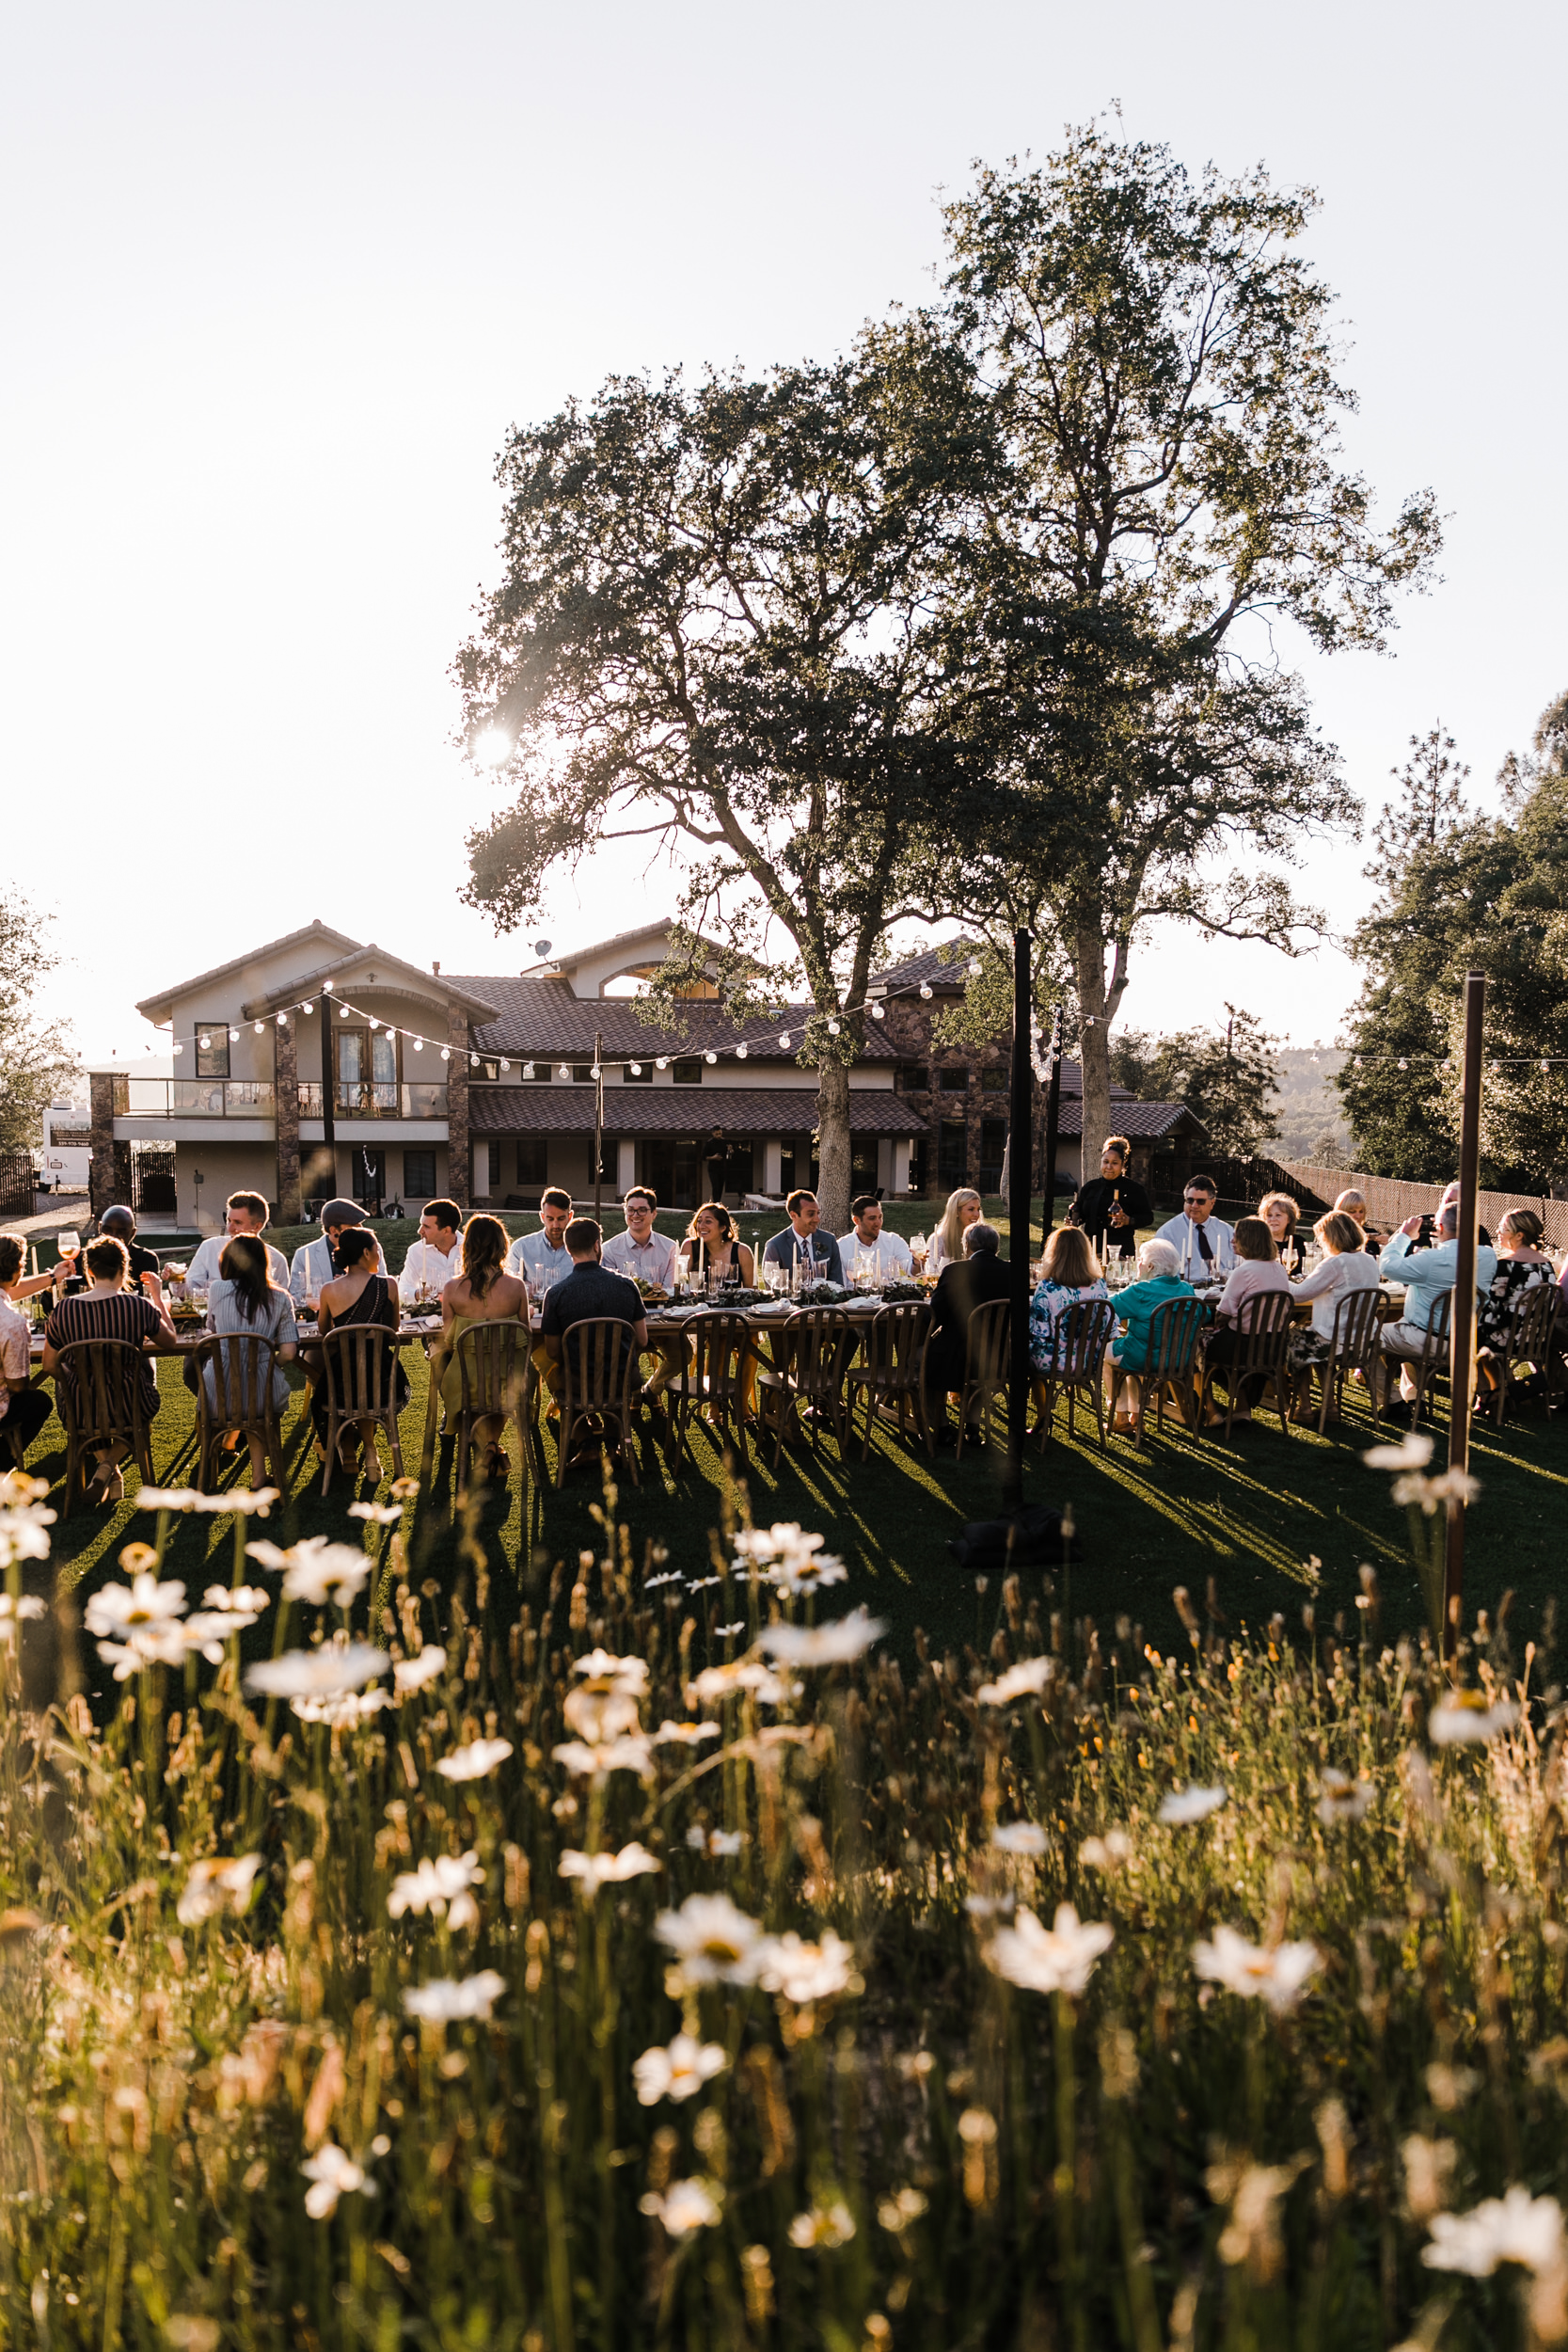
(276, 282)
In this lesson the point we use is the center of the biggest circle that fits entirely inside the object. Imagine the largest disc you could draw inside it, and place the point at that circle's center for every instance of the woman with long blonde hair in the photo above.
(947, 1242)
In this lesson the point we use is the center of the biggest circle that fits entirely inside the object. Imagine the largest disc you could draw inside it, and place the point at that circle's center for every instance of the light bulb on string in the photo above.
(925, 989)
(308, 1009)
(259, 1026)
(1404, 1064)
(783, 1040)
(710, 1057)
(636, 1069)
(594, 1070)
(743, 1053)
(879, 1012)
(566, 1070)
(833, 1028)
(505, 1065)
(975, 967)
(233, 1037)
(374, 1023)
(204, 1043)
(473, 1061)
(446, 1052)
(327, 988)
(282, 1020)
(528, 1069)
(418, 1045)
(663, 1062)
(178, 1047)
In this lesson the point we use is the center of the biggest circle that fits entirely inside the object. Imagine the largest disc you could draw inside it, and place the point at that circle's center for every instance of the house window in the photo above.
(532, 1167)
(993, 1142)
(951, 1081)
(952, 1154)
(419, 1175)
(912, 1077)
(993, 1080)
(488, 1068)
(538, 1073)
(688, 1071)
(212, 1059)
(582, 1073)
(493, 1164)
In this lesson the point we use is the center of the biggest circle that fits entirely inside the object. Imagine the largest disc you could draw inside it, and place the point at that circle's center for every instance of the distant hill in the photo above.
(1311, 1117)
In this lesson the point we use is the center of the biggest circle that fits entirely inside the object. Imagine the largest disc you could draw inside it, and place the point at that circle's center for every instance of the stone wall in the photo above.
(286, 1097)
(457, 1107)
(907, 1027)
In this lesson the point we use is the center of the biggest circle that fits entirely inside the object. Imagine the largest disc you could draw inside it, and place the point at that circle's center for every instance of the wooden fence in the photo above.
(1389, 1201)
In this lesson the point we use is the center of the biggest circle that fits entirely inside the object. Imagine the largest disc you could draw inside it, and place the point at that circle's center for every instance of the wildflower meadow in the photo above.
(606, 1957)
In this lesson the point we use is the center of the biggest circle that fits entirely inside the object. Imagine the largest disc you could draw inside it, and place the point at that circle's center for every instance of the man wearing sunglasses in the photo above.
(1202, 1241)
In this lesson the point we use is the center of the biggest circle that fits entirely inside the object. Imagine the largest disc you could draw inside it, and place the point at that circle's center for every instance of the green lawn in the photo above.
(1250, 1515)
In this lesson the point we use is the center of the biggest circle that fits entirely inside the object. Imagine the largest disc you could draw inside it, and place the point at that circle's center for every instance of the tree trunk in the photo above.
(832, 1130)
(1094, 1052)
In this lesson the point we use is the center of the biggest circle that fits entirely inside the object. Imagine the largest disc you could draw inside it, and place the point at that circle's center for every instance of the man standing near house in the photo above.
(436, 1258)
(800, 1244)
(1204, 1243)
(889, 1253)
(242, 1213)
(543, 1258)
(641, 1253)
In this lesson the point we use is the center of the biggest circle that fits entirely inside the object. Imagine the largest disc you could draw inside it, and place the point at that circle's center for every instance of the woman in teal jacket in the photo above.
(1137, 1306)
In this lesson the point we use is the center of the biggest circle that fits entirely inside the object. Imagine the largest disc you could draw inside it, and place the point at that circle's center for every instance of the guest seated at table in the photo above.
(1353, 1204)
(483, 1292)
(641, 1253)
(543, 1258)
(315, 1262)
(1203, 1243)
(870, 1241)
(358, 1293)
(801, 1246)
(1346, 1269)
(246, 1299)
(1279, 1213)
(120, 1223)
(24, 1409)
(1069, 1274)
(1112, 1205)
(713, 1246)
(1522, 1266)
(436, 1258)
(109, 1309)
(1450, 1200)
(964, 1209)
(972, 1281)
(25, 1285)
(242, 1213)
(1428, 1276)
(1158, 1283)
(1256, 1270)
(588, 1291)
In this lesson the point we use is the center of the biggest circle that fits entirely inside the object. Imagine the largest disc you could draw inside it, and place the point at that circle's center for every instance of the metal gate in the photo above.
(18, 1183)
(152, 1186)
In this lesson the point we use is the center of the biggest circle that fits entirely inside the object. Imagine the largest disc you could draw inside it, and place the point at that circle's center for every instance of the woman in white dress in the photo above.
(948, 1243)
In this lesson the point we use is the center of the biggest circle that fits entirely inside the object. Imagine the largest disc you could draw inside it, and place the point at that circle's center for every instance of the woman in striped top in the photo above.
(107, 1310)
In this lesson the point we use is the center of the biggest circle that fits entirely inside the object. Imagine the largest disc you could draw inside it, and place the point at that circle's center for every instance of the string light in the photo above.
(926, 990)
(743, 1053)
(473, 1061)
(204, 1043)
(259, 1026)
(833, 1028)
(419, 1044)
(282, 1020)
(879, 1012)
(565, 1071)
(505, 1065)
(528, 1069)
(326, 988)
(783, 1040)
(636, 1069)
(307, 1008)
(446, 1052)
(178, 1047)
(233, 1037)
(710, 1057)
(594, 1070)
(662, 1063)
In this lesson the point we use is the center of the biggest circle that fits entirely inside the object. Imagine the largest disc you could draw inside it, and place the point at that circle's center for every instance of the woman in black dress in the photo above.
(1113, 1205)
(357, 1293)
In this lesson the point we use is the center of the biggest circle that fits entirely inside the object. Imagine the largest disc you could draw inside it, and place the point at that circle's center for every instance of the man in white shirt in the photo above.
(640, 1253)
(543, 1256)
(436, 1258)
(312, 1267)
(889, 1253)
(242, 1213)
(1203, 1242)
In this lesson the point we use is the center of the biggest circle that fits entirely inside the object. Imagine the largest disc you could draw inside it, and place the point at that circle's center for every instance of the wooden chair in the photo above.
(242, 1365)
(359, 1366)
(812, 1352)
(1262, 1327)
(1352, 1347)
(100, 1400)
(497, 1382)
(893, 1371)
(1432, 1363)
(1528, 1343)
(1083, 1335)
(1175, 1334)
(598, 1382)
(985, 1366)
(715, 1377)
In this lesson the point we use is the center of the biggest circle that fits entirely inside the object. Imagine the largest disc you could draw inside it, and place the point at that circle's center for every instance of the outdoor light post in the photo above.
(598, 1124)
(1052, 1121)
(330, 1127)
(1462, 1326)
(1020, 1122)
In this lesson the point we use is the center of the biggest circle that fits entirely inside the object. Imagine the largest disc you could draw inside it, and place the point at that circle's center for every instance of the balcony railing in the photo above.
(418, 1100)
(197, 1097)
(256, 1098)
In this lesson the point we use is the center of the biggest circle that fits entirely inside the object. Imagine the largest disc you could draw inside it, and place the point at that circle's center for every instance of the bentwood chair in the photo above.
(360, 1365)
(1175, 1334)
(1083, 1335)
(598, 1386)
(496, 1376)
(1528, 1347)
(892, 1372)
(1432, 1364)
(241, 1404)
(714, 1377)
(1352, 1347)
(811, 1355)
(1262, 1330)
(98, 1395)
(985, 1367)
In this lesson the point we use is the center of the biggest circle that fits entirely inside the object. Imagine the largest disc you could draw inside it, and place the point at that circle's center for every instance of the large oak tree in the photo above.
(715, 631)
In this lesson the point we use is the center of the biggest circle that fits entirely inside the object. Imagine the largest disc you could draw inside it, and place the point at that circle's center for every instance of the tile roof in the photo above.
(1150, 1120)
(440, 986)
(318, 934)
(566, 1110)
(543, 1017)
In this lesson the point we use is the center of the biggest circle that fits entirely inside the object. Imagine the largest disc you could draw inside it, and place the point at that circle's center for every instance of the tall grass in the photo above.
(917, 2102)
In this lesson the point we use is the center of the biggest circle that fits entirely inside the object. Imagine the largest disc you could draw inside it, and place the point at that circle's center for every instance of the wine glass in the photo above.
(68, 1243)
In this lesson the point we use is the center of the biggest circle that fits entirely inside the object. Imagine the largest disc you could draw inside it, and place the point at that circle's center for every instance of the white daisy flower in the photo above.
(720, 1845)
(1412, 1453)
(434, 1885)
(1058, 1959)
(1467, 1716)
(1019, 1837)
(633, 1753)
(1192, 1804)
(412, 1673)
(804, 1973)
(676, 2072)
(685, 2207)
(1278, 1976)
(713, 1941)
(1341, 1798)
(1024, 1680)
(600, 1869)
(143, 1605)
(311, 1674)
(378, 1513)
(831, 1644)
(340, 1710)
(331, 2175)
(218, 1885)
(474, 1762)
(824, 2227)
(1515, 2228)
(451, 2000)
(672, 1735)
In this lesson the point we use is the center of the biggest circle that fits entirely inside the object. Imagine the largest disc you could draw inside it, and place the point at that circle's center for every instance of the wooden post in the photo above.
(598, 1127)
(1052, 1121)
(329, 1126)
(1462, 1321)
(1020, 1122)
